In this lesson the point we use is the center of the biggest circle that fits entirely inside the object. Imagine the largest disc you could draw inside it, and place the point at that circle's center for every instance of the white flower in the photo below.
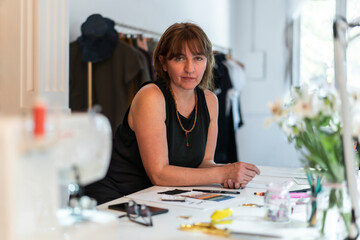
(278, 112)
(292, 126)
(304, 108)
(302, 103)
(328, 101)
(276, 108)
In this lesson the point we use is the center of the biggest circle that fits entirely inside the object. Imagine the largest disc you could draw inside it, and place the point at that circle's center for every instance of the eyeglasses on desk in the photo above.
(138, 213)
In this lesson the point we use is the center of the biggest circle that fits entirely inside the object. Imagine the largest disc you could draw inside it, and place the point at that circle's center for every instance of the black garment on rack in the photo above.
(226, 150)
(112, 80)
(146, 55)
(149, 62)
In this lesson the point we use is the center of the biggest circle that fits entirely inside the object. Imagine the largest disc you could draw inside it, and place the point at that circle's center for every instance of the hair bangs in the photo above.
(189, 39)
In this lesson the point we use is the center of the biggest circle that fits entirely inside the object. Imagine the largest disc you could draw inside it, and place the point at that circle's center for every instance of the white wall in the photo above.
(256, 143)
(157, 15)
(228, 23)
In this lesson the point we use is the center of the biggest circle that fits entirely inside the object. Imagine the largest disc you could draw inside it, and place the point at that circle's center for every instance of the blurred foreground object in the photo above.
(73, 151)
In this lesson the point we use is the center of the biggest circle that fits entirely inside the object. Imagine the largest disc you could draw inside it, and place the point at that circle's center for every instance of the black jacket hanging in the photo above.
(226, 150)
(113, 79)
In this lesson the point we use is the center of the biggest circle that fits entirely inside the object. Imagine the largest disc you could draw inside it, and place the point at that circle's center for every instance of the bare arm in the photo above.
(212, 104)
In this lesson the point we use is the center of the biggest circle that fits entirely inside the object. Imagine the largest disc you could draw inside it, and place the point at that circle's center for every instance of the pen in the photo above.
(300, 190)
(256, 235)
(216, 191)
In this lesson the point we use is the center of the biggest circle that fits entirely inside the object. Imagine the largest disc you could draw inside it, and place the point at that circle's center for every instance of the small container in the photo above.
(277, 202)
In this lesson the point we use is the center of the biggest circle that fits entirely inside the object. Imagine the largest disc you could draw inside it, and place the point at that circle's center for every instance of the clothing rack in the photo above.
(153, 33)
(138, 29)
(222, 49)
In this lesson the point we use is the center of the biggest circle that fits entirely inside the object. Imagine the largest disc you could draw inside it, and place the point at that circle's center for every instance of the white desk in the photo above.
(248, 219)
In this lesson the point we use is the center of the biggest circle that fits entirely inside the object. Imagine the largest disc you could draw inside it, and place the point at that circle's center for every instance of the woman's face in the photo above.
(185, 69)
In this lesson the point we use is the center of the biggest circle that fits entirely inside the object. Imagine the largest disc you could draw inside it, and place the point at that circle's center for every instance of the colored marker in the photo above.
(299, 195)
(259, 193)
(292, 194)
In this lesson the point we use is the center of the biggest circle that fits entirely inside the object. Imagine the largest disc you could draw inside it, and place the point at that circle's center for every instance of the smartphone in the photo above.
(153, 210)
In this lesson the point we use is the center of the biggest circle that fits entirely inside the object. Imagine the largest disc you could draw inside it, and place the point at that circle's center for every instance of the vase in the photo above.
(333, 210)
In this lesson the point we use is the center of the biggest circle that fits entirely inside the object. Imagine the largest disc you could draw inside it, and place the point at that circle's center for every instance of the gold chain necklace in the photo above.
(177, 115)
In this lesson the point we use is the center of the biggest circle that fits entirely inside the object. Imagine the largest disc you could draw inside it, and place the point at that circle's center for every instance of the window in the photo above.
(315, 47)
(353, 50)
(316, 42)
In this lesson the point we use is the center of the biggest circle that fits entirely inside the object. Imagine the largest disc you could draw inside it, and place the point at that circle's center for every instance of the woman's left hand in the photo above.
(229, 184)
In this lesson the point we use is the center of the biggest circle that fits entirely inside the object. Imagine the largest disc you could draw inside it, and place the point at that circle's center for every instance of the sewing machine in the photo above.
(36, 173)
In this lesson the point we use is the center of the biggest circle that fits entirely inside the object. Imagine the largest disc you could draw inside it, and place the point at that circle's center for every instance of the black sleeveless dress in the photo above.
(126, 173)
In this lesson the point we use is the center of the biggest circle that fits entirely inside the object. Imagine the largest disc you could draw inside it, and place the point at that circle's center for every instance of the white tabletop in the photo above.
(247, 219)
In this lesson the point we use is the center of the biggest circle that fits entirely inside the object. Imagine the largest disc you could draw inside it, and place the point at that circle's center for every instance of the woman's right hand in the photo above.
(239, 174)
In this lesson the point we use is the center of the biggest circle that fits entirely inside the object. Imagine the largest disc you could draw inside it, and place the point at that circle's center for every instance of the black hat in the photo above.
(98, 39)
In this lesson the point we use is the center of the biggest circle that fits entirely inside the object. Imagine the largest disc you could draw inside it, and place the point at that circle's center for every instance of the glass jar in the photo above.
(333, 210)
(277, 204)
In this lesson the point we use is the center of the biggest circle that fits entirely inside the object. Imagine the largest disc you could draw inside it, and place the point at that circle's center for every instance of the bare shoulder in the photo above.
(212, 103)
(150, 92)
(210, 96)
(149, 104)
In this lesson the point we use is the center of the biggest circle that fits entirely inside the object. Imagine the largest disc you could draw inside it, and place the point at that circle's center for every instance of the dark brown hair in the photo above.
(173, 42)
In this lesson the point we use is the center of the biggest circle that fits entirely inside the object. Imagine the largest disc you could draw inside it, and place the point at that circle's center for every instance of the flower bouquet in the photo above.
(310, 118)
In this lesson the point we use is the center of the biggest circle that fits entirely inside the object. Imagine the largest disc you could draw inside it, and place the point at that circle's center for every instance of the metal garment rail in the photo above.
(156, 34)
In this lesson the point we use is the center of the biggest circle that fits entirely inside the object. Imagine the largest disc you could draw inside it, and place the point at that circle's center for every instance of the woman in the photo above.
(168, 136)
